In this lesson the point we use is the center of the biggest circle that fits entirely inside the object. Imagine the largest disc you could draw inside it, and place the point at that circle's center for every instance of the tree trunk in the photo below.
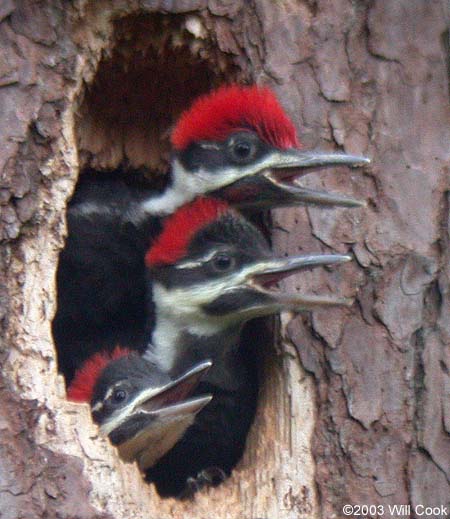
(355, 403)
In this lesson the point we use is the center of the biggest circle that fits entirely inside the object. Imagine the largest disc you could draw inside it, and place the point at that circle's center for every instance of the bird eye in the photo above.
(119, 396)
(242, 149)
(223, 262)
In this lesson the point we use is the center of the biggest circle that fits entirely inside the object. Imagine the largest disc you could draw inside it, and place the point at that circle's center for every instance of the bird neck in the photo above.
(182, 188)
(175, 347)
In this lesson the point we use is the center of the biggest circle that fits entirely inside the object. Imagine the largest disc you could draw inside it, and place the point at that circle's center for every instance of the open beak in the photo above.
(277, 183)
(158, 418)
(170, 399)
(262, 278)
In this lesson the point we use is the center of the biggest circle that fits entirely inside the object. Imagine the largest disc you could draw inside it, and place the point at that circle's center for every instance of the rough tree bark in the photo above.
(364, 418)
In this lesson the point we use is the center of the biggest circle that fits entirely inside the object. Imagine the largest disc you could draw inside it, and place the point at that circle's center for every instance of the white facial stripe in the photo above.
(197, 263)
(116, 419)
(190, 265)
(187, 185)
(186, 302)
(97, 406)
(179, 311)
(111, 389)
(209, 146)
(119, 416)
(109, 392)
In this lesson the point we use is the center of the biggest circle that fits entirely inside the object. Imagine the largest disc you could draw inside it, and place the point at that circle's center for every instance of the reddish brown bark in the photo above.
(368, 77)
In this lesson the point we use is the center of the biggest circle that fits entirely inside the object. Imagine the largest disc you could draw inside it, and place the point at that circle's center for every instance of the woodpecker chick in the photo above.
(239, 144)
(211, 270)
(140, 408)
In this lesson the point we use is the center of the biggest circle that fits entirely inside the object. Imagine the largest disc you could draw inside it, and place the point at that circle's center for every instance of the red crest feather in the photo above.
(179, 229)
(231, 108)
(82, 386)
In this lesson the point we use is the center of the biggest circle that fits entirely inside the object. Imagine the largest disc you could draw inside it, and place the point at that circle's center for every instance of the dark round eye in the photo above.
(223, 262)
(119, 396)
(242, 149)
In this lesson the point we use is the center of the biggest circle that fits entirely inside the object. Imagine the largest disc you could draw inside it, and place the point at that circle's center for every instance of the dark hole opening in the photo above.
(154, 69)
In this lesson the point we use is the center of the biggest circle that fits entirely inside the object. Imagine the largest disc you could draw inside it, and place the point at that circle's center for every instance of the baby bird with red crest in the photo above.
(237, 143)
(140, 408)
(211, 271)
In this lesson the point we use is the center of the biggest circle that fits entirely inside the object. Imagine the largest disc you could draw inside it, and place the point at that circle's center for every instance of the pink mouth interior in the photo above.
(288, 175)
(268, 281)
(173, 395)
